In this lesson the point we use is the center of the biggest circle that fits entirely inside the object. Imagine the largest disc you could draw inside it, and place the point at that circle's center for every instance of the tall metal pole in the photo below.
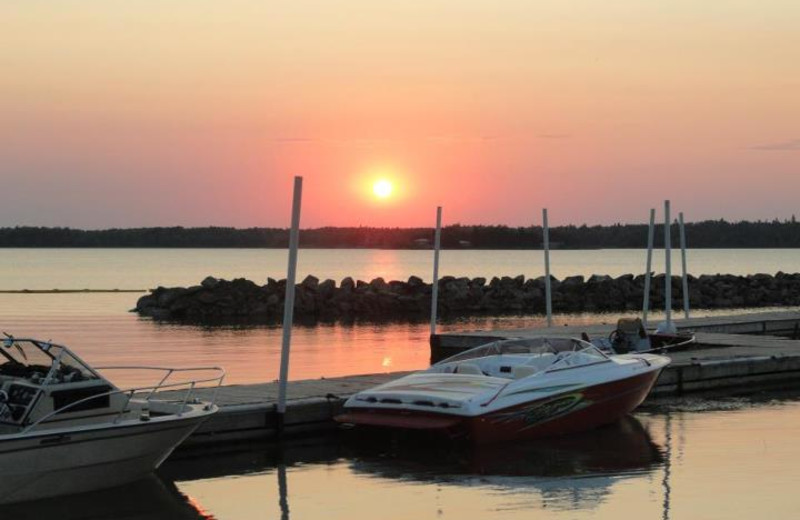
(683, 261)
(547, 291)
(668, 267)
(437, 244)
(288, 302)
(648, 273)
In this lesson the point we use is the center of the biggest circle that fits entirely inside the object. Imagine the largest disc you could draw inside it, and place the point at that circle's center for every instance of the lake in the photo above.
(149, 268)
(691, 459)
(731, 459)
(100, 328)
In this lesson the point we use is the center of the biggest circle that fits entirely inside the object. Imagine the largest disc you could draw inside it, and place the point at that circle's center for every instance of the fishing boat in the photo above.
(631, 336)
(512, 389)
(65, 428)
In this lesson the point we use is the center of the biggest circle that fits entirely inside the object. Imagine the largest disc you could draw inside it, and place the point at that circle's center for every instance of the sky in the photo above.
(174, 112)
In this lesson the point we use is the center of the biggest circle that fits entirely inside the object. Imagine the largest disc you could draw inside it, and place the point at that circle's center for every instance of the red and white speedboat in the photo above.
(512, 389)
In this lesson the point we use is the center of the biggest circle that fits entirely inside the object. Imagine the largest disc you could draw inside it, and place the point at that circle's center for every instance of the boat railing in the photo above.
(591, 355)
(148, 393)
(524, 346)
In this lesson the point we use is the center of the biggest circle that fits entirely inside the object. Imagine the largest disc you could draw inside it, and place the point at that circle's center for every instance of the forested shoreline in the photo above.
(705, 234)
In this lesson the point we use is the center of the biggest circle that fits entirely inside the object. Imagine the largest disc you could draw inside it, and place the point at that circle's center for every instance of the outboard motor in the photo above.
(629, 336)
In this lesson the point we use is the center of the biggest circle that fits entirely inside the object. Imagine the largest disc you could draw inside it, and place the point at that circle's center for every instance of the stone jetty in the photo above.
(220, 300)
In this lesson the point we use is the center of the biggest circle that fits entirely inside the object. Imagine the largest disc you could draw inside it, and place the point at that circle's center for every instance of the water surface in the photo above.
(737, 461)
(734, 459)
(100, 328)
(149, 268)
(102, 331)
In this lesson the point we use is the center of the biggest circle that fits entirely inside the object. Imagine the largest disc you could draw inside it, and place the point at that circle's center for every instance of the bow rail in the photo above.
(149, 393)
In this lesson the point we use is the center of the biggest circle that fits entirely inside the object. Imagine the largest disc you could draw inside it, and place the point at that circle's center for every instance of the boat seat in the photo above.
(536, 364)
(521, 371)
(469, 368)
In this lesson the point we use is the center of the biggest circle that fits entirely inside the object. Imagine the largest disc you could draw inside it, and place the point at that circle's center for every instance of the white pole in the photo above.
(683, 261)
(437, 244)
(668, 265)
(648, 273)
(547, 291)
(288, 302)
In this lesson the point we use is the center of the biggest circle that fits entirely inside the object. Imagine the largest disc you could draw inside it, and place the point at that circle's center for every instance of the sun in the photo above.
(382, 188)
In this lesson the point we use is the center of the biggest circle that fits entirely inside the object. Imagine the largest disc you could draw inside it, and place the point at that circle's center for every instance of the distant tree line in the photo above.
(706, 234)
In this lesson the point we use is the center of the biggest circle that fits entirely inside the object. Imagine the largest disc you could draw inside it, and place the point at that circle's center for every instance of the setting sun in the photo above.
(382, 188)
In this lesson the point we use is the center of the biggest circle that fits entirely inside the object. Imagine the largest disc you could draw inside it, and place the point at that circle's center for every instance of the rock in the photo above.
(378, 284)
(146, 302)
(327, 288)
(572, 281)
(445, 280)
(167, 296)
(216, 299)
(397, 287)
(478, 282)
(310, 282)
(348, 285)
(209, 282)
(415, 281)
(207, 297)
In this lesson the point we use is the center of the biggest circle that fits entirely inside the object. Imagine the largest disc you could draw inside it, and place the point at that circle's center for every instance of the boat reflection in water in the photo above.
(569, 472)
(151, 498)
(566, 473)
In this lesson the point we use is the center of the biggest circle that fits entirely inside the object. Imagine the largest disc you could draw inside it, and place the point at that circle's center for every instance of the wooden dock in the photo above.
(732, 355)
(762, 323)
(248, 412)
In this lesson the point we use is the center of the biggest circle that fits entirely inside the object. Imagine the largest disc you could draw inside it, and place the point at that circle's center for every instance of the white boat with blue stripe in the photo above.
(65, 428)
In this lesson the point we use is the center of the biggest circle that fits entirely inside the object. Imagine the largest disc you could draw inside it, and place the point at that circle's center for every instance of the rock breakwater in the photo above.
(219, 300)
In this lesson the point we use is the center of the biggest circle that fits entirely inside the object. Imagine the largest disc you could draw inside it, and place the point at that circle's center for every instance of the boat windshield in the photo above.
(39, 362)
(526, 346)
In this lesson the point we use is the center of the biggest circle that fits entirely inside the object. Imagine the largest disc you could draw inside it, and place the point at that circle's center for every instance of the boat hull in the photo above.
(564, 413)
(49, 464)
(557, 414)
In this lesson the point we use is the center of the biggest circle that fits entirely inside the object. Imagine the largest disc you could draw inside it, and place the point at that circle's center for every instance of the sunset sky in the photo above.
(173, 112)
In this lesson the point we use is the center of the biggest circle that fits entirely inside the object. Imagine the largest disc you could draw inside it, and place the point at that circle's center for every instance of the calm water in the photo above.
(102, 330)
(734, 460)
(148, 268)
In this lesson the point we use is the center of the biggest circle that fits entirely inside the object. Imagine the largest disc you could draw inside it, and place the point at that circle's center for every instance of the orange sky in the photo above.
(117, 113)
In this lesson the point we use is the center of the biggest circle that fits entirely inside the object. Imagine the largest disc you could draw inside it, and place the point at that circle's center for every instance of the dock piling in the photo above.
(685, 276)
(668, 267)
(547, 289)
(649, 271)
(437, 245)
(288, 303)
